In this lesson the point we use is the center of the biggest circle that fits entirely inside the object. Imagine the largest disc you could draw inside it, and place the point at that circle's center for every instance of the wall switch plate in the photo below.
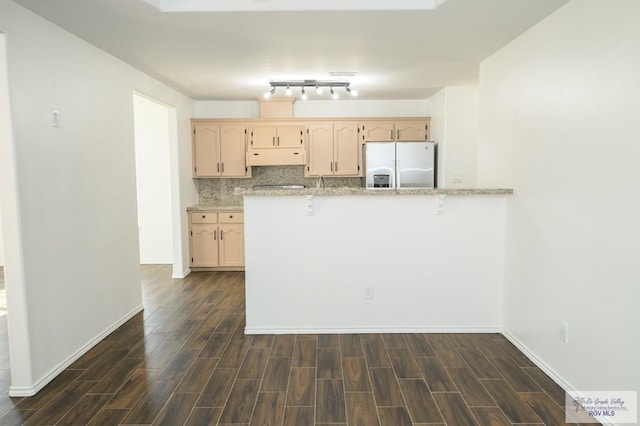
(564, 332)
(368, 292)
(55, 118)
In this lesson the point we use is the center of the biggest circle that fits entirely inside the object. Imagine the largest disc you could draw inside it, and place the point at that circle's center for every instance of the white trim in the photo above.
(560, 381)
(156, 262)
(182, 275)
(366, 330)
(32, 390)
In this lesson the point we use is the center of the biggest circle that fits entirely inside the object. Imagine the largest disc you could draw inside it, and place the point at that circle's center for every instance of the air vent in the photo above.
(343, 74)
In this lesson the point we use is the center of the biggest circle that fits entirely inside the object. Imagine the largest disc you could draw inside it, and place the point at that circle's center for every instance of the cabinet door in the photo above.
(206, 148)
(232, 151)
(231, 245)
(263, 137)
(203, 242)
(378, 132)
(346, 149)
(320, 150)
(289, 136)
(411, 131)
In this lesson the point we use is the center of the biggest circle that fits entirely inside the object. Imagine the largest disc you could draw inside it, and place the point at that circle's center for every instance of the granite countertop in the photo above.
(215, 207)
(363, 191)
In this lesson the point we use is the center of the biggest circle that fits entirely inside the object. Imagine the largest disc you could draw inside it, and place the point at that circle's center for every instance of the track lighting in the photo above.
(317, 84)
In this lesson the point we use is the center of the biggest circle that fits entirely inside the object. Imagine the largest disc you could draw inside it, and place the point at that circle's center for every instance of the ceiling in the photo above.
(398, 54)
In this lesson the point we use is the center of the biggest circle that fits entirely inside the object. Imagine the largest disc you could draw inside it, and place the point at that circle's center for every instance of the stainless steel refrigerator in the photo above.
(400, 164)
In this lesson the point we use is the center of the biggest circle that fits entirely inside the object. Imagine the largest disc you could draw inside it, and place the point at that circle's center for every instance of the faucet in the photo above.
(320, 182)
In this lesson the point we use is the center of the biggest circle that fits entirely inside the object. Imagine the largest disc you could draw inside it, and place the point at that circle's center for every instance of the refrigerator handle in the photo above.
(397, 182)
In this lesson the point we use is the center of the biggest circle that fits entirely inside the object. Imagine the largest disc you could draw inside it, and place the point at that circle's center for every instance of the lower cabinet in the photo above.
(216, 240)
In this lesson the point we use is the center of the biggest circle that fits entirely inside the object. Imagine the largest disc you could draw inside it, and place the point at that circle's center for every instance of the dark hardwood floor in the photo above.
(185, 360)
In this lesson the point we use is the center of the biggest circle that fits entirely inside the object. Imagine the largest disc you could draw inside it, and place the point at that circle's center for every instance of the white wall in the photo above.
(454, 125)
(76, 262)
(331, 108)
(312, 270)
(559, 112)
(153, 181)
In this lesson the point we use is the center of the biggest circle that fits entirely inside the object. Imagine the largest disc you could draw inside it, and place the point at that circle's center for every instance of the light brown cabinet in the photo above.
(376, 131)
(276, 136)
(219, 150)
(333, 149)
(216, 239)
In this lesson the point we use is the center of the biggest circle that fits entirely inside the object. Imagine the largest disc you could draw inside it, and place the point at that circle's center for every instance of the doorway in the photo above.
(153, 179)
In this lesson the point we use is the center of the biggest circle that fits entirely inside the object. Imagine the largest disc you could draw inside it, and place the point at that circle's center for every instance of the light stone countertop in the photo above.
(349, 191)
(363, 191)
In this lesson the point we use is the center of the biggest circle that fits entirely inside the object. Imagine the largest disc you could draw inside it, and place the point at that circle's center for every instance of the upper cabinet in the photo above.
(333, 149)
(395, 131)
(276, 144)
(276, 136)
(219, 150)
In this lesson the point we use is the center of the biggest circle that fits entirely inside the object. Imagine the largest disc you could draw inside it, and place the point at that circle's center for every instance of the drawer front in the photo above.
(231, 217)
(203, 217)
(276, 157)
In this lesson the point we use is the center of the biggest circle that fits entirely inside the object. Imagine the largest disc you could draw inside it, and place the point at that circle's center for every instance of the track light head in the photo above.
(303, 95)
(288, 91)
(319, 90)
(334, 95)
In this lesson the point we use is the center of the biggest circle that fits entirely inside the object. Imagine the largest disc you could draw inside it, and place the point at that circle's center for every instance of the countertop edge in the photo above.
(375, 192)
(215, 207)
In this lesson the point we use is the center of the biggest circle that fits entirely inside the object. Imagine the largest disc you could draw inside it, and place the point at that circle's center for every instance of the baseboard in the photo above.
(365, 330)
(32, 390)
(181, 275)
(560, 381)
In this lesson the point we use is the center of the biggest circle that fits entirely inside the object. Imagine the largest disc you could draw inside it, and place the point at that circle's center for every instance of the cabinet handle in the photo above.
(332, 166)
(204, 216)
(398, 134)
(222, 167)
(336, 168)
(221, 235)
(218, 166)
(215, 235)
(278, 141)
(391, 134)
(273, 141)
(230, 216)
(255, 153)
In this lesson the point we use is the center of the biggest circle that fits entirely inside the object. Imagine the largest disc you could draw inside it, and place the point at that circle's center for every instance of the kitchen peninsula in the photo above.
(356, 260)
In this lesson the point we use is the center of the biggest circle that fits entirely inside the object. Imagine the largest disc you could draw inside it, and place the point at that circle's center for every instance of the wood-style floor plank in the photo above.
(470, 388)
(350, 345)
(394, 416)
(217, 389)
(302, 387)
(204, 416)
(516, 410)
(490, 416)
(361, 409)
(298, 416)
(356, 375)
(242, 399)
(328, 362)
(176, 410)
(330, 404)
(269, 409)
(385, 387)
(419, 401)
(403, 363)
(453, 409)
(435, 375)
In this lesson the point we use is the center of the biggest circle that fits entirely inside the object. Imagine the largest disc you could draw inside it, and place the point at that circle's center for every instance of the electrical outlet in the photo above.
(564, 332)
(368, 292)
(458, 177)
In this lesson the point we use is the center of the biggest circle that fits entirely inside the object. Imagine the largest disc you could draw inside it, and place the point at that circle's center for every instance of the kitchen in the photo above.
(541, 94)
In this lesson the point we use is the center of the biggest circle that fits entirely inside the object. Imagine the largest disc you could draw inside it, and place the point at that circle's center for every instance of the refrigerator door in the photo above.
(415, 162)
(380, 163)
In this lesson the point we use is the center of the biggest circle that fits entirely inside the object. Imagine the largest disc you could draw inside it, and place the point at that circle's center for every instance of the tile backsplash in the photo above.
(223, 191)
